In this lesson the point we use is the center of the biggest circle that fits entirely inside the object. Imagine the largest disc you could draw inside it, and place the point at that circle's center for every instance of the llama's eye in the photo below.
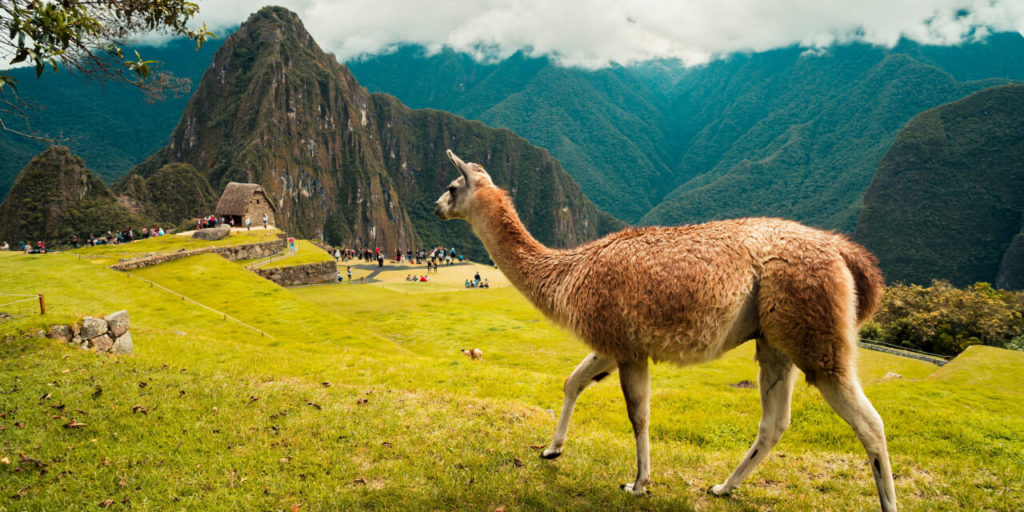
(451, 190)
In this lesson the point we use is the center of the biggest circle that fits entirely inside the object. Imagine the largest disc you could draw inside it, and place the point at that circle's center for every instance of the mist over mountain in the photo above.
(787, 133)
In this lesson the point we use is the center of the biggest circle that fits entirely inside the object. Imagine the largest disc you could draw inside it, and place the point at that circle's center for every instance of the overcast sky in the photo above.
(596, 32)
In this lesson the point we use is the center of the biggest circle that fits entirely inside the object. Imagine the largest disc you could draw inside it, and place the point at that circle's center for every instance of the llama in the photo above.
(474, 354)
(687, 295)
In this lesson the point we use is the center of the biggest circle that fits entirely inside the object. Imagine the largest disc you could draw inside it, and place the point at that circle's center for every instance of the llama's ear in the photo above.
(463, 167)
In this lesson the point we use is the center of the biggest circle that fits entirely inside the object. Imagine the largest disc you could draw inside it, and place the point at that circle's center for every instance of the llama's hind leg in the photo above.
(593, 368)
(775, 378)
(847, 398)
(636, 388)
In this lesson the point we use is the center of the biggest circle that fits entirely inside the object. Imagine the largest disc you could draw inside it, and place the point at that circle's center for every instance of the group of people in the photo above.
(212, 221)
(421, 279)
(477, 283)
(433, 257)
(39, 248)
(110, 238)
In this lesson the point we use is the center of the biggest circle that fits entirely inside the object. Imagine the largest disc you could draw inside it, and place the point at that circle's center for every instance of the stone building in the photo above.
(241, 200)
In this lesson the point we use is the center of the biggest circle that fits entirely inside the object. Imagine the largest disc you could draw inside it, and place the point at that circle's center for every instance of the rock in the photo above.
(93, 327)
(891, 376)
(61, 332)
(102, 343)
(211, 234)
(76, 340)
(76, 329)
(123, 345)
(117, 322)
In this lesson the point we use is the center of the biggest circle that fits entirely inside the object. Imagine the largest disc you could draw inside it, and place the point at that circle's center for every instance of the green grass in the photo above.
(409, 423)
(305, 253)
(110, 254)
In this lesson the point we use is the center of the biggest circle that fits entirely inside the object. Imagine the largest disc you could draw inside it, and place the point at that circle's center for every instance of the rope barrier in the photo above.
(18, 295)
(34, 297)
(225, 315)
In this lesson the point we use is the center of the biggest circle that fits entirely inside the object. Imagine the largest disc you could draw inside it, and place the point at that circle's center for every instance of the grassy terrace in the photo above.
(110, 254)
(236, 421)
(305, 253)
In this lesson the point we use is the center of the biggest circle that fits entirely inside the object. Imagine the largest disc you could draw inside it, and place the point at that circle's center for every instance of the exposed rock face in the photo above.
(55, 196)
(102, 343)
(217, 233)
(355, 168)
(108, 334)
(310, 273)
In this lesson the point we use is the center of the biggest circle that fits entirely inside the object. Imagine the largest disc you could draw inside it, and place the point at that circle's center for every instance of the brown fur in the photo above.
(672, 293)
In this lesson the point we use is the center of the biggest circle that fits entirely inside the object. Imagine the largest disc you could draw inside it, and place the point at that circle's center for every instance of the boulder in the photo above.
(61, 332)
(117, 322)
(123, 345)
(102, 343)
(93, 327)
(77, 340)
(211, 234)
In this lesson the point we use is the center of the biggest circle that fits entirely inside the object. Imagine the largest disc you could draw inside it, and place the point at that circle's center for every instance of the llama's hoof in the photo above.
(550, 454)
(718, 490)
(634, 489)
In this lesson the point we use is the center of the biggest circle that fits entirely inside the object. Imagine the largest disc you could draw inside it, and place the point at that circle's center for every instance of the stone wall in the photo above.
(108, 334)
(310, 273)
(232, 253)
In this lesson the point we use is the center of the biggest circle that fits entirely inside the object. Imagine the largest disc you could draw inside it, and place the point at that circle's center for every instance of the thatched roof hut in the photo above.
(242, 200)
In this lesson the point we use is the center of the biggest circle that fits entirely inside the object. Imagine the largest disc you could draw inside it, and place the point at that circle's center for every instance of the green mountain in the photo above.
(55, 197)
(947, 199)
(781, 133)
(113, 127)
(350, 167)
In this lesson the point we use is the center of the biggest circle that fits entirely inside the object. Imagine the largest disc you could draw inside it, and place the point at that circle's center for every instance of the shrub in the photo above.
(945, 320)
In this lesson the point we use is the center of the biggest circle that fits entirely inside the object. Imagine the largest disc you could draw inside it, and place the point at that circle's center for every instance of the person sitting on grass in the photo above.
(487, 284)
(467, 283)
(423, 279)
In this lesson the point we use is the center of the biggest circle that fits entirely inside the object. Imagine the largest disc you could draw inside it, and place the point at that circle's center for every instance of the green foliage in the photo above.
(945, 320)
(88, 35)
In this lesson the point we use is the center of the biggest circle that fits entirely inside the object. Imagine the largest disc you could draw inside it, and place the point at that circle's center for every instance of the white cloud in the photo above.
(594, 33)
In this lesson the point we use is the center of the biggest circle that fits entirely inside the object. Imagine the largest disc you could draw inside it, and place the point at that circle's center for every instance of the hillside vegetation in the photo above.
(947, 199)
(360, 400)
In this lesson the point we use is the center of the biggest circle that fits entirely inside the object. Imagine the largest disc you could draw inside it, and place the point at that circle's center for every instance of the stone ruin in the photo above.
(107, 334)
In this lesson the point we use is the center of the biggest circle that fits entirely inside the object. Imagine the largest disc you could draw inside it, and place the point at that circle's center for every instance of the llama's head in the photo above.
(457, 201)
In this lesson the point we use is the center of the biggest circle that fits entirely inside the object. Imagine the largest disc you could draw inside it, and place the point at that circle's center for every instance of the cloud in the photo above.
(595, 33)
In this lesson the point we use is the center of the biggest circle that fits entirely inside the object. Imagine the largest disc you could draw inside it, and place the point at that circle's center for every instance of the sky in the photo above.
(597, 33)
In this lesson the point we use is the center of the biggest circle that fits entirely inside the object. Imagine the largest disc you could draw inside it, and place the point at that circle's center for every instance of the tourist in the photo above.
(349, 275)
(265, 224)
(248, 224)
(5, 247)
(487, 284)
(74, 242)
(467, 283)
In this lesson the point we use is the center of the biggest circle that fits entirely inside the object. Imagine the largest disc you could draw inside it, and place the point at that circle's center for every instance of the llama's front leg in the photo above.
(775, 378)
(636, 388)
(593, 368)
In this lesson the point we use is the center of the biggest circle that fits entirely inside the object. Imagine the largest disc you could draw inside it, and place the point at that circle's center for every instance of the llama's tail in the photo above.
(866, 277)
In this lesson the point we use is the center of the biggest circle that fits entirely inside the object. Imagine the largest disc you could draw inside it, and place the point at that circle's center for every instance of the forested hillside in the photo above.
(948, 198)
(784, 133)
(113, 127)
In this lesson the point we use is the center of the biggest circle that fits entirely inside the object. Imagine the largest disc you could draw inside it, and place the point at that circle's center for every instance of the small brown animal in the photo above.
(687, 295)
(474, 354)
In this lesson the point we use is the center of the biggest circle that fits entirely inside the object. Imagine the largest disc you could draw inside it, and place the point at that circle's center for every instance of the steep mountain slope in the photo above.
(947, 198)
(113, 127)
(55, 196)
(343, 164)
(783, 133)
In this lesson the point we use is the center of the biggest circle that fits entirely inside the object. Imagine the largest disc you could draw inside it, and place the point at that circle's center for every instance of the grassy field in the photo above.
(110, 254)
(359, 398)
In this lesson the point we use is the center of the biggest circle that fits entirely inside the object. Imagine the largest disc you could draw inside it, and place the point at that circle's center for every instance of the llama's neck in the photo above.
(508, 242)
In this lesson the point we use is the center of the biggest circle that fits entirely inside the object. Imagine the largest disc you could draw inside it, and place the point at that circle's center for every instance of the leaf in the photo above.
(139, 409)
(106, 503)
(97, 392)
(74, 424)
(315, 405)
(19, 425)
(59, 407)
(252, 399)
(45, 397)
(143, 384)
(325, 384)
(5, 460)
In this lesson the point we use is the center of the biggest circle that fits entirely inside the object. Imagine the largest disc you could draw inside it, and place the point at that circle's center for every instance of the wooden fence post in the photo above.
(42, 305)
